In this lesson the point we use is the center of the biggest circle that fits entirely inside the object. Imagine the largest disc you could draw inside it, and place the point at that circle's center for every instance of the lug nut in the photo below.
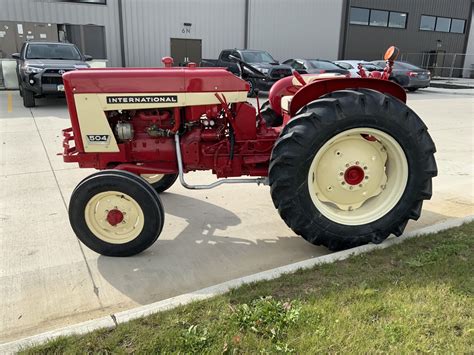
(366, 177)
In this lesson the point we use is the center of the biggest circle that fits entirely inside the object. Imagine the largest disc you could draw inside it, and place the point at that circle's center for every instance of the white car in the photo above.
(352, 66)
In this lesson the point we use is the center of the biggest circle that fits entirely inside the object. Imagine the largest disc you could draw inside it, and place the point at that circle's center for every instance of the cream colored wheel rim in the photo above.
(379, 166)
(98, 208)
(152, 178)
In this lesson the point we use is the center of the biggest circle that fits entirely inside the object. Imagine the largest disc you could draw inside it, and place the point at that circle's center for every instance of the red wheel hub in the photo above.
(354, 175)
(114, 217)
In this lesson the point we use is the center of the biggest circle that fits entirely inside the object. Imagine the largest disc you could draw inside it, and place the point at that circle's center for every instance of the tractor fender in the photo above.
(318, 88)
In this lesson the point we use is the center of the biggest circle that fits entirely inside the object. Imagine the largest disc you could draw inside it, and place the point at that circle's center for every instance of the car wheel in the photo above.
(252, 85)
(28, 98)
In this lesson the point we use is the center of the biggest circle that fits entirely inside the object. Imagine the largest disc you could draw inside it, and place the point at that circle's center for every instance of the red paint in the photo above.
(318, 88)
(369, 137)
(282, 87)
(204, 147)
(354, 175)
(114, 217)
(299, 77)
(167, 62)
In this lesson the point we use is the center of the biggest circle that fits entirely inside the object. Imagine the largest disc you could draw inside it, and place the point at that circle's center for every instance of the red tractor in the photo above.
(347, 161)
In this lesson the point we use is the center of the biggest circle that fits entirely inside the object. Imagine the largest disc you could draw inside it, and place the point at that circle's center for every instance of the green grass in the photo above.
(413, 297)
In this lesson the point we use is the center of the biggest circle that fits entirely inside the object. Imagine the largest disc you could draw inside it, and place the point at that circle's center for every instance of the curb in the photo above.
(122, 317)
(438, 90)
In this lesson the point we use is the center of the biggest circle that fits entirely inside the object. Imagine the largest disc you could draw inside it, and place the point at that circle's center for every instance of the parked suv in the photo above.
(40, 66)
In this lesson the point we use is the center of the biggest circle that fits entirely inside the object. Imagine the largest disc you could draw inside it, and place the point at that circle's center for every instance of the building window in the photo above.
(378, 18)
(427, 23)
(397, 20)
(359, 16)
(443, 24)
(457, 26)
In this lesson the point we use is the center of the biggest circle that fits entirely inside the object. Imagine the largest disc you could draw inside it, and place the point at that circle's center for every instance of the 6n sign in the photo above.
(98, 138)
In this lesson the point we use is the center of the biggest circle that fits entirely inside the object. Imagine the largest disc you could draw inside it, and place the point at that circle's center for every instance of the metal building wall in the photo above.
(366, 42)
(296, 28)
(469, 62)
(149, 25)
(46, 11)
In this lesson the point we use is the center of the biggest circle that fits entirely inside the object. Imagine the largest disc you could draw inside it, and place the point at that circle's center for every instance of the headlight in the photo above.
(264, 70)
(31, 70)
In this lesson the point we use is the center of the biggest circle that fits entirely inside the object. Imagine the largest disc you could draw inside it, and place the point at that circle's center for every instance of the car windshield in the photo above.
(403, 65)
(321, 64)
(52, 51)
(257, 57)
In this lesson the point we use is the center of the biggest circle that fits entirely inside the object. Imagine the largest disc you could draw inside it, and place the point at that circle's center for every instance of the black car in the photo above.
(315, 66)
(408, 75)
(261, 60)
(40, 66)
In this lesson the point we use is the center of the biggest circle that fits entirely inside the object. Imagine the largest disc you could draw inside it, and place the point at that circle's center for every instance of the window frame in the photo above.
(370, 18)
(398, 12)
(434, 25)
(450, 24)
(449, 27)
(389, 12)
(359, 24)
(458, 19)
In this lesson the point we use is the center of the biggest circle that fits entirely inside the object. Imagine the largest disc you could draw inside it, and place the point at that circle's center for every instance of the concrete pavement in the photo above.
(48, 279)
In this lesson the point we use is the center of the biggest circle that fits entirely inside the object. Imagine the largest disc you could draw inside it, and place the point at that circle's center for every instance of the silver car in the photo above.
(353, 66)
(408, 75)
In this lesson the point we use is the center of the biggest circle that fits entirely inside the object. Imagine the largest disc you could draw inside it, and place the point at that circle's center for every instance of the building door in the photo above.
(184, 50)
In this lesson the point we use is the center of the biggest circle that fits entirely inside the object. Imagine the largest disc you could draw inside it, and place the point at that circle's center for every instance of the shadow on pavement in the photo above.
(200, 255)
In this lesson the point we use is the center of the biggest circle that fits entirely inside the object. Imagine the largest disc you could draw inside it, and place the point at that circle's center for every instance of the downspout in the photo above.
(246, 28)
(344, 28)
(122, 43)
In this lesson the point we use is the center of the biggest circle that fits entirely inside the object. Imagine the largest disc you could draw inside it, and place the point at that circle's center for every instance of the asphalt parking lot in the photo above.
(48, 279)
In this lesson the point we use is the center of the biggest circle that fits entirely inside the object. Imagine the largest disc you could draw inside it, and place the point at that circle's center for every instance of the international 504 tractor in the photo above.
(347, 161)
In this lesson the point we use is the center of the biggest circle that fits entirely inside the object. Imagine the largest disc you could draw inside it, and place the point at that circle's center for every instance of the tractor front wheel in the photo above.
(352, 168)
(116, 213)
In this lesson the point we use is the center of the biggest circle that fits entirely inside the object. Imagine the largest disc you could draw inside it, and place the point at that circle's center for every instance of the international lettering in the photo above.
(155, 99)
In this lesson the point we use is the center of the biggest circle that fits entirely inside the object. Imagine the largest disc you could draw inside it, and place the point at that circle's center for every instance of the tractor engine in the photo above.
(208, 140)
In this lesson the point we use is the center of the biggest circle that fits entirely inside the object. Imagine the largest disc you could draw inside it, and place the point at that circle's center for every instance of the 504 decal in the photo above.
(97, 138)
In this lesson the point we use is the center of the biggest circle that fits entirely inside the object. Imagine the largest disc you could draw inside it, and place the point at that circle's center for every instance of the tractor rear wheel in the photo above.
(160, 182)
(352, 168)
(116, 213)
